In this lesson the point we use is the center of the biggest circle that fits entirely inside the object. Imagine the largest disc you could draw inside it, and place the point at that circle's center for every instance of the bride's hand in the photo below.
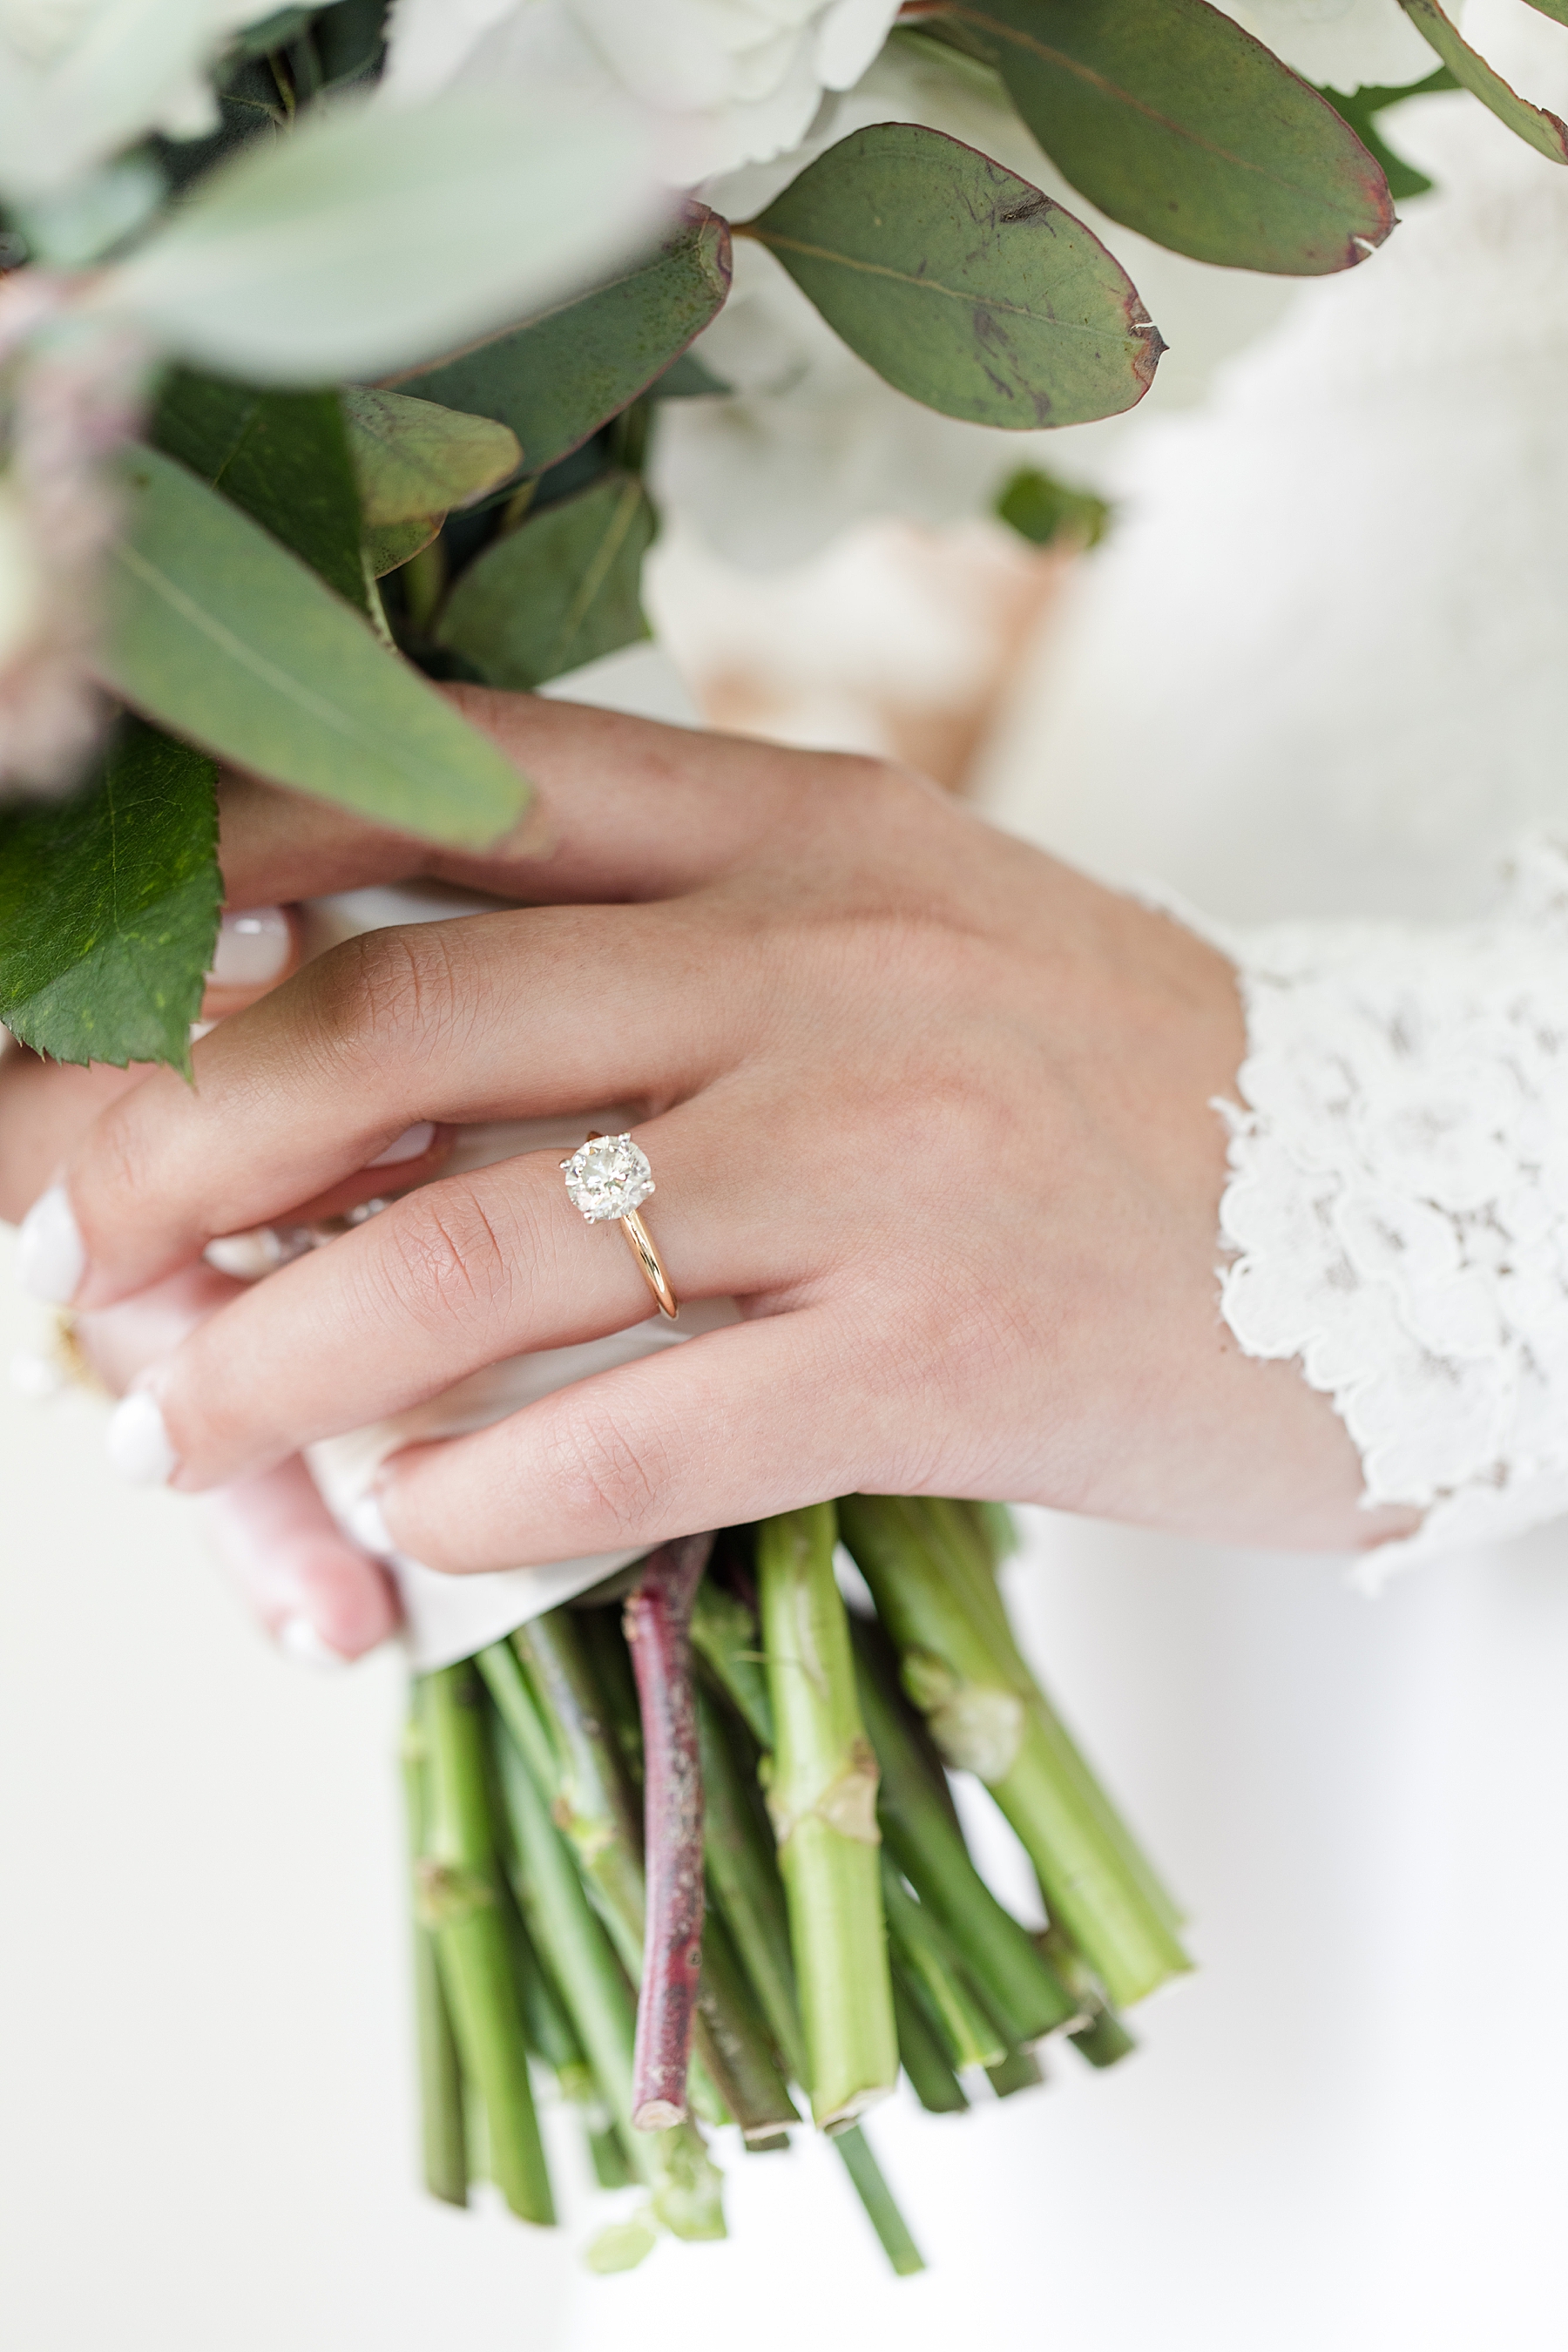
(936, 1110)
(314, 1589)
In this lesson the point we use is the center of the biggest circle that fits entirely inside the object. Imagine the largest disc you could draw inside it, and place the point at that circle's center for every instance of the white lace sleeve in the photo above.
(1397, 1205)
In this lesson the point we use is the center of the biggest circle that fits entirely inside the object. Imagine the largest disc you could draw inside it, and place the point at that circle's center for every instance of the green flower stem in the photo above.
(963, 1669)
(573, 1723)
(968, 1546)
(1104, 2041)
(1019, 2071)
(738, 2046)
(443, 2145)
(726, 1637)
(1017, 1983)
(569, 1934)
(928, 1960)
(878, 2199)
(458, 1877)
(546, 2023)
(558, 1714)
(607, 2155)
(822, 1802)
(743, 1878)
(592, 1798)
(924, 2060)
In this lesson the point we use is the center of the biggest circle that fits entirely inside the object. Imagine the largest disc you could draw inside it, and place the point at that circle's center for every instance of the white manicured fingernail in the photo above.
(300, 1640)
(367, 1525)
(245, 1256)
(50, 1259)
(410, 1145)
(253, 947)
(138, 1442)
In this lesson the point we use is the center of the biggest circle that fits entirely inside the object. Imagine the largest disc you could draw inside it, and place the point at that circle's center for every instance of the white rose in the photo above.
(81, 79)
(737, 80)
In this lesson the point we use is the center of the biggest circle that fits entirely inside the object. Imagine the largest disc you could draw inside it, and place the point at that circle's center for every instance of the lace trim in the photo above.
(1397, 1205)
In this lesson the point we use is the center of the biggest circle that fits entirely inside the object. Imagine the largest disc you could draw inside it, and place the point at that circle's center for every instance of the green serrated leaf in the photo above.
(1361, 107)
(1545, 132)
(283, 456)
(961, 284)
(1179, 124)
(108, 907)
(557, 379)
(215, 630)
(559, 591)
(413, 457)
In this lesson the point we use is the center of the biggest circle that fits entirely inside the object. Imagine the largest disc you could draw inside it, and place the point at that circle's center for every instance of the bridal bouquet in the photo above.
(335, 356)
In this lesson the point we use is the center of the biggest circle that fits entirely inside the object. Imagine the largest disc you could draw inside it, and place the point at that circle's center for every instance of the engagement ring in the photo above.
(609, 1176)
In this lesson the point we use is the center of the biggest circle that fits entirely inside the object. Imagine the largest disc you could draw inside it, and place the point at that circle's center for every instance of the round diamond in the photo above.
(608, 1177)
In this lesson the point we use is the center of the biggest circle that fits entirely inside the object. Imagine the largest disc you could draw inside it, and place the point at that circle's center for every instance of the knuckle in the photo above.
(388, 990)
(446, 1255)
(610, 1471)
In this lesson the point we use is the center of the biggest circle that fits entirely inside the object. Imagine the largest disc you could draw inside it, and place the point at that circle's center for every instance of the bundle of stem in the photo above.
(937, 1597)
(818, 1920)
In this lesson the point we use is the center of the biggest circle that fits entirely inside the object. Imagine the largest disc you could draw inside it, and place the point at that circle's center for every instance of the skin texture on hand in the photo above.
(933, 1107)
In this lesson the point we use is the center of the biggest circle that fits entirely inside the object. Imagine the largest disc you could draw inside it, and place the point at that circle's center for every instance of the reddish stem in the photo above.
(658, 1624)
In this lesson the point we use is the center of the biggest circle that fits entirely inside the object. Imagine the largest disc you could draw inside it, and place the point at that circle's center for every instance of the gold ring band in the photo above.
(649, 1264)
(608, 1176)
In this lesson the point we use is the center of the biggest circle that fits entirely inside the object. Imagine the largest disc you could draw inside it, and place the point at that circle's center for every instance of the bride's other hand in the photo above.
(316, 1593)
(935, 1108)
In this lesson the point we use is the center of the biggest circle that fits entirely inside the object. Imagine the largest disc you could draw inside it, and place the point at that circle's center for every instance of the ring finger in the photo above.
(461, 1275)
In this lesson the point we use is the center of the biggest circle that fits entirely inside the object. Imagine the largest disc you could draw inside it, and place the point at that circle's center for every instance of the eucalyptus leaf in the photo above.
(559, 377)
(348, 38)
(689, 378)
(284, 457)
(388, 546)
(561, 590)
(1546, 133)
(108, 907)
(1176, 122)
(374, 237)
(960, 283)
(413, 459)
(1360, 109)
(215, 630)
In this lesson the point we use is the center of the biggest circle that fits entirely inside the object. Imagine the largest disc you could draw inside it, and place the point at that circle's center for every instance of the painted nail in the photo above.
(50, 1259)
(412, 1144)
(245, 1256)
(367, 1525)
(138, 1441)
(254, 946)
(300, 1640)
